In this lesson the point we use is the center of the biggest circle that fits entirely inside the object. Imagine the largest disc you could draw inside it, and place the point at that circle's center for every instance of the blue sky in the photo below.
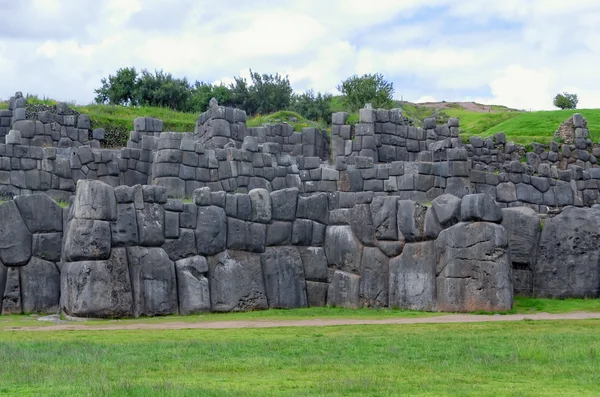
(518, 53)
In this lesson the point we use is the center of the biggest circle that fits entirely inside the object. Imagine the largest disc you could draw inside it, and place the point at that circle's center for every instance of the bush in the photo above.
(369, 88)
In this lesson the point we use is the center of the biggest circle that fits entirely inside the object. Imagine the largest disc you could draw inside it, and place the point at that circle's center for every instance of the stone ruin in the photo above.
(230, 218)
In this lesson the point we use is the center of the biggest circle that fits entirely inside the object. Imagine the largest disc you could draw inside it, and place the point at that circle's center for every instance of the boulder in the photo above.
(473, 268)
(568, 259)
(153, 282)
(236, 282)
(523, 227)
(283, 273)
(87, 240)
(95, 200)
(480, 207)
(344, 290)
(40, 213)
(40, 287)
(374, 280)
(412, 277)
(97, 288)
(211, 230)
(342, 249)
(192, 285)
(15, 238)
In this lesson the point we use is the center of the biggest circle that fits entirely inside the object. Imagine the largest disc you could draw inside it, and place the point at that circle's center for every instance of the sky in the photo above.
(517, 53)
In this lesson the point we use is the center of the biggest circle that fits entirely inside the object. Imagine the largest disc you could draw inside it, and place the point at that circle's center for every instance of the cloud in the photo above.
(519, 53)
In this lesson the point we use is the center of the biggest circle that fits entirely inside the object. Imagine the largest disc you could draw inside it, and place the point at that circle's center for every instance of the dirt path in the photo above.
(313, 322)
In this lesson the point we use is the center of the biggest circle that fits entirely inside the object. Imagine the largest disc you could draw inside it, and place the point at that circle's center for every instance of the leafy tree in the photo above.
(241, 97)
(163, 90)
(119, 89)
(566, 101)
(313, 107)
(369, 88)
(202, 93)
(269, 93)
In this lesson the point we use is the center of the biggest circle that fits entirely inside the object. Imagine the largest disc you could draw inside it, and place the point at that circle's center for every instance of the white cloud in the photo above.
(519, 53)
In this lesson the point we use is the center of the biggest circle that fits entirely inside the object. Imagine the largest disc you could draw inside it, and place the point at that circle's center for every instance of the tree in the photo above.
(369, 88)
(269, 93)
(163, 90)
(311, 106)
(119, 89)
(566, 101)
(202, 93)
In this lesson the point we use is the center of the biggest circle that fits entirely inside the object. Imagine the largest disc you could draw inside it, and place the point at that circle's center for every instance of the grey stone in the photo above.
(410, 221)
(125, 230)
(81, 281)
(95, 200)
(211, 230)
(413, 278)
(568, 263)
(316, 293)
(480, 207)
(153, 281)
(192, 285)
(40, 287)
(374, 280)
(506, 192)
(40, 213)
(47, 246)
(432, 225)
(261, 205)
(236, 282)
(473, 268)
(15, 238)
(279, 233)
(523, 227)
(447, 209)
(87, 239)
(151, 225)
(313, 207)
(344, 290)
(315, 263)
(384, 217)
(11, 299)
(362, 224)
(391, 248)
(342, 249)
(181, 247)
(283, 274)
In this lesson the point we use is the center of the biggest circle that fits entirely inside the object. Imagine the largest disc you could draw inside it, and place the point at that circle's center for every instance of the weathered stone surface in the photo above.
(447, 209)
(15, 238)
(261, 205)
(236, 282)
(391, 248)
(95, 200)
(523, 227)
(151, 225)
(125, 229)
(383, 215)
(153, 282)
(315, 263)
(316, 293)
(342, 249)
(374, 280)
(40, 287)
(97, 288)
(313, 207)
(283, 273)
(181, 247)
(40, 213)
(344, 290)
(568, 263)
(432, 225)
(194, 295)
(211, 230)
(47, 246)
(87, 240)
(362, 224)
(473, 268)
(11, 299)
(412, 277)
(410, 221)
(283, 204)
(480, 207)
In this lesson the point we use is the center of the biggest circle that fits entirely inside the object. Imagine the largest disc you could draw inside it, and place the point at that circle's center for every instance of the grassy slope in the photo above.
(284, 116)
(526, 358)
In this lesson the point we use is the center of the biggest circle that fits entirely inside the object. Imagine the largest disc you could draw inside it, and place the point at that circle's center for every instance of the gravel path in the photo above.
(313, 322)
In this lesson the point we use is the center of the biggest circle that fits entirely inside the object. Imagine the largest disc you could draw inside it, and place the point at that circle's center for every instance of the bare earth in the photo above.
(316, 322)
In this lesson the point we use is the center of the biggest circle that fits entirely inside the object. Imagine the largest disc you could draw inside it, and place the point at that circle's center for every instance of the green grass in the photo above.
(477, 123)
(526, 358)
(284, 116)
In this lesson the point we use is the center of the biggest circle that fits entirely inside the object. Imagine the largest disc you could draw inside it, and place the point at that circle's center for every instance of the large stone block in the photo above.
(181, 247)
(236, 282)
(151, 225)
(480, 207)
(87, 239)
(410, 221)
(473, 268)
(362, 224)
(192, 285)
(97, 288)
(211, 230)
(15, 238)
(374, 280)
(523, 227)
(383, 215)
(284, 204)
(316, 293)
(342, 249)
(283, 274)
(40, 213)
(261, 205)
(313, 207)
(568, 263)
(153, 282)
(125, 229)
(412, 277)
(47, 246)
(447, 209)
(95, 200)
(344, 290)
(40, 287)
(315, 263)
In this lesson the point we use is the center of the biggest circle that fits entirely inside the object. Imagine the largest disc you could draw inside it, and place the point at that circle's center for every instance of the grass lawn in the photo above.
(526, 358)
